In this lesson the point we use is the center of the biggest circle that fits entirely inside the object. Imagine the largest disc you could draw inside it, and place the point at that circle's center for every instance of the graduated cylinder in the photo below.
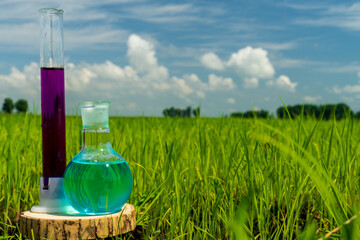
(52, 93)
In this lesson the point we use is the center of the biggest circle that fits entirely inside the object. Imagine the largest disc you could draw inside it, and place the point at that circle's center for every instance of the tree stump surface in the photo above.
(52, 226)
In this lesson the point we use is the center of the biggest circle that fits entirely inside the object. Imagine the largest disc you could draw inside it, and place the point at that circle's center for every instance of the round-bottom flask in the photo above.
(97, 180)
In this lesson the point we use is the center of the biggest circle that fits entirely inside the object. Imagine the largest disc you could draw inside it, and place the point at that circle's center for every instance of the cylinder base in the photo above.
(52, 199)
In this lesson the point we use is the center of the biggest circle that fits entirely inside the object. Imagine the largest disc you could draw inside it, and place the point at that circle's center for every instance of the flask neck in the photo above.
(96, 139)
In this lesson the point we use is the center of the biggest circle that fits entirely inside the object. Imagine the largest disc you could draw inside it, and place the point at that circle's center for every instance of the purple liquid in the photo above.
(53, 122)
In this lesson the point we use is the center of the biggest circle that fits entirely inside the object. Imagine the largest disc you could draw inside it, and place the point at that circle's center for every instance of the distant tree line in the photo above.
(251, 114)
(325, 112)
(8, 106)
(178, 112)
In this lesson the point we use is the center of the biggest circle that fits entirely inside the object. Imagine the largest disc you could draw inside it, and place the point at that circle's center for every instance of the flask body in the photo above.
(98, 187)
(97, 180)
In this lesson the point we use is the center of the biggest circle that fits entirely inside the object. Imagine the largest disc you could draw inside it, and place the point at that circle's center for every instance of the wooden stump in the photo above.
(49, 226)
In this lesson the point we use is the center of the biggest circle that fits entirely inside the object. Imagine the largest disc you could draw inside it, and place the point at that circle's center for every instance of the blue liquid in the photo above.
(98, 187)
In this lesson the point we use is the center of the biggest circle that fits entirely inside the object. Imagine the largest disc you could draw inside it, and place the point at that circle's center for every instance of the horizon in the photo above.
(76, 112)
(145, 56)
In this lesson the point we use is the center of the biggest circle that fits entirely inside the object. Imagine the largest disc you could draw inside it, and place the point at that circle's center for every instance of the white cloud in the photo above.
(158, 74)
(212, 61)
(182, 87)
(191, 83)
(162, 86)
(142, 58)
(25, 37)
(247, 62)
(96, 37)
(351, 89)
(141, 54)
(344, 16)
(19, 28)
(175, 15)
(231, 100)
(311, 6)
(220, 83)
(200, 94)
(270, 83)
(78, 77)
(108, 80)
(251, 62)
(104, 76)
(195, 81)
(283, 82)
(277, 46)
(26, 83)
(311, 99)
(251, 82)
(347, 89)
(352, 68)
(19, 36)
(74, 10)
(163, 13)
(188, 84)
(347, 99)
(144, 73)
(111, 78)
(336, 89)
(295, 63)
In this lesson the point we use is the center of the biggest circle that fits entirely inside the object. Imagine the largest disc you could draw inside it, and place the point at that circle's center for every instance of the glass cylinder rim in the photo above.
(92, 104)
(53, 11)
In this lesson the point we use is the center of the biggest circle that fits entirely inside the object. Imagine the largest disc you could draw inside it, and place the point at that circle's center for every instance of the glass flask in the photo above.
(97, 180)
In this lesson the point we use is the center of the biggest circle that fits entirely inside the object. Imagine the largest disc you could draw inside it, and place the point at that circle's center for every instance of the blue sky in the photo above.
(228, 56)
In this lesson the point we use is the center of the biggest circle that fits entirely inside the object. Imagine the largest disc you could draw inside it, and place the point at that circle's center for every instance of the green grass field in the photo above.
(204, 178)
